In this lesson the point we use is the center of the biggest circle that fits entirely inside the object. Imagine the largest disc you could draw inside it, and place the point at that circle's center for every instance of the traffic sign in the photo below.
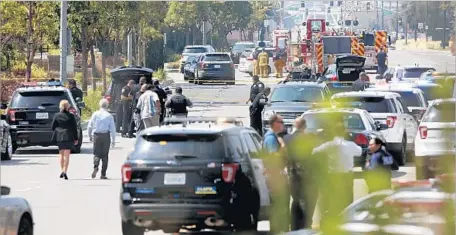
(420, 25)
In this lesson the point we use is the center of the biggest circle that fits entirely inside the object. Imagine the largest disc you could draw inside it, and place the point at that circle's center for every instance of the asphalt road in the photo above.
(83, 205)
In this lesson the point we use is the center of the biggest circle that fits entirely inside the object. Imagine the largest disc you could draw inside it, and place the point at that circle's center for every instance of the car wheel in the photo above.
(402, 153)
(77, 148)
(25, 226)
(9, 149)
(170, 229)
(297, 216)
(14, 145)
(128, 228)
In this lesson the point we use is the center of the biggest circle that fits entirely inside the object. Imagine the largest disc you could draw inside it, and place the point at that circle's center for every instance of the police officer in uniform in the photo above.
(162, 96)
(255, 89)
(256, 108)
(126, 99)
(178, 104)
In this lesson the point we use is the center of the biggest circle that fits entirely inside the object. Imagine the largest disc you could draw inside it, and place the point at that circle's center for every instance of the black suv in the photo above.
(191, 173)
(32, 110)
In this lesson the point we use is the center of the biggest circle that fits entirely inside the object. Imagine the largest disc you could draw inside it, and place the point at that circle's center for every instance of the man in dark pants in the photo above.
(178, 104)
(126, 99)
(162, 96)
(102, 132)
(75, 91)
(136, 94)
(256, 108)
(381, 59)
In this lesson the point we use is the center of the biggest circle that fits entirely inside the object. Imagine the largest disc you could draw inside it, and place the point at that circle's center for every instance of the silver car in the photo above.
(15, 214)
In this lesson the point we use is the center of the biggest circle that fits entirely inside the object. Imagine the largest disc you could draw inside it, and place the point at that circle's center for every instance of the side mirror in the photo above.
(3, 106)
(5, 191)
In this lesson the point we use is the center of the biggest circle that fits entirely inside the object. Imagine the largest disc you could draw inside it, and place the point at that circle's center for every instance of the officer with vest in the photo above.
(178, 104)
(263, 59)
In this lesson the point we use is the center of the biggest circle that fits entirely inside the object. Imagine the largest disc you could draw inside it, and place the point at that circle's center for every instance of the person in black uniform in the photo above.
(256, 108)
(255, 89)
(381, 59)
(75, 91)
(162, 96)
(178, 104)
(136, 94)
(126, 99)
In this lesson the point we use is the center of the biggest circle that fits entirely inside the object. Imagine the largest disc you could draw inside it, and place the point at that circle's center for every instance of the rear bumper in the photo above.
(216, 76)
(171, 213)
(32, 138)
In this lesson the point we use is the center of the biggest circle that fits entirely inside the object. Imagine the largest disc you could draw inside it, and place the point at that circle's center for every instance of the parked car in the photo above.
(341, 75)
(406, 73)
(190, 66)
(246, 64)
(194, 50)
(6, 143)
(16, 217)
(435, 142)
(215, 67)
(239, 48)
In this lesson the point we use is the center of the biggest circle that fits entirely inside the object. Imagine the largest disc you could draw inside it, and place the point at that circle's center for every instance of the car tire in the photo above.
(171, 229)
(15, 147)
(8, 154)
(185, 77)
(25, 226)
(297, 216)
(77, 148)
(128, 228)
(401, 155)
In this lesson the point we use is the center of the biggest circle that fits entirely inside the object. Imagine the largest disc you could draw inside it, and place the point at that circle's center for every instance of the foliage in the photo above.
(91, 102)
(172, 57)
(78, 78)
(173, 65)
(160, 74)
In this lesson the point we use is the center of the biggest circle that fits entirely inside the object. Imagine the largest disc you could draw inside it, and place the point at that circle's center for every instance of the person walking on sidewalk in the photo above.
(102, 132)
(149, 106)
(65, 135)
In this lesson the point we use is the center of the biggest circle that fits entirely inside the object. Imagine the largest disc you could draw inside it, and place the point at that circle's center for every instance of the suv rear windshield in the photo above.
(411, 99)
(217, 57)
(415, 72)
(195, 50)
(315, 121)
(297, 94)
(370, 104)
(441, 112)
(168, 146)
(33, 99)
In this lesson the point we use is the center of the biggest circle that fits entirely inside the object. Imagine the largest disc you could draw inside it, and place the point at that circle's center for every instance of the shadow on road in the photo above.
(16, 161)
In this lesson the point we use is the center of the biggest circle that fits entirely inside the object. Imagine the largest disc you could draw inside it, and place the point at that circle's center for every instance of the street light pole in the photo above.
(383, 17)
(397, 20)
(63, 41)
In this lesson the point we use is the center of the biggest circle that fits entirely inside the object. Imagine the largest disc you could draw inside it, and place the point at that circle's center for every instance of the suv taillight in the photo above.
(11, 114)
(126, 173)
(390, 120)
(334, 78)
(423, 132)
(361, 139)
(203, 65)
(229, 172)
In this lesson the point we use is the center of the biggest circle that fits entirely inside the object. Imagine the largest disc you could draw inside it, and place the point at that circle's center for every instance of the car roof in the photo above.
(331, 110)
(237, 43)
(196, 46)
(303, 84)
(216, 53)
(193, 128)
(394, 88)
(385, 94)
(41, 88)
(135, 69)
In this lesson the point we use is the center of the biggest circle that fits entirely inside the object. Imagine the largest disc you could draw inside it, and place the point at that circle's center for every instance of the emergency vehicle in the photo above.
(373, 42)
(280, 38)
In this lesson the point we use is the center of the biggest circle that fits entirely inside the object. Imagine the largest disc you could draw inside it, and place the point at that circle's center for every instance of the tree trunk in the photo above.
(103, 66)
(94, 68)
(116, 49)
(143, 43)
(84, 57)
(28, 72)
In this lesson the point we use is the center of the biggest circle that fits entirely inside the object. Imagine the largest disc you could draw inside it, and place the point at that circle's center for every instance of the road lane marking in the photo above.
(27, 189)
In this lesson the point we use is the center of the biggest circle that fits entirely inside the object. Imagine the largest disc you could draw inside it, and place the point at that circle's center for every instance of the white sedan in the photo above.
(15, 214)
(436, 138)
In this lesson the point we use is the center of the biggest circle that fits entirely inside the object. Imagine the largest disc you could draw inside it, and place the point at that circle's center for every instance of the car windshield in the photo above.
(195, 50)
(370, 104)
(411, 99)
(168, 146)
(415, 72)
(33, 99)
(441, 112)
(217, 57)
(368, 39)
(242, 47)
(352, 121)
(190, 59)
(297, 94)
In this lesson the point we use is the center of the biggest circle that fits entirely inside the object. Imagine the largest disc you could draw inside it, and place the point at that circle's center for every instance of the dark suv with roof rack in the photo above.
(191, 174)
(31, 111)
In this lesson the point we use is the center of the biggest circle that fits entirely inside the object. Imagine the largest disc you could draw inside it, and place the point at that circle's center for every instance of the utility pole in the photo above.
(130, 48)
(444, 27)
(28, 72)
(383, 16)
(378, 17)
(63, 41)
(397, 20)
(426, 21)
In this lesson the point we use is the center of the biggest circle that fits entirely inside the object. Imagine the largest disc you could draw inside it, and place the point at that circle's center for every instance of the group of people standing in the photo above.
(261, 64)
(318, 165)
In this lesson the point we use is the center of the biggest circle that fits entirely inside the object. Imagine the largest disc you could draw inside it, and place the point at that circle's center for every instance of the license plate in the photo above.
(42, 115)
(23, 123)
(217, 66)
(174, 179)
(201, 190)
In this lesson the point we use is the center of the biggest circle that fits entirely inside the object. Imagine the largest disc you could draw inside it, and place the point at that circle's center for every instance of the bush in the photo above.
(38, 72)
(173, 65)
(78, 78)
(91, 102)
(172, 57)
(160, 74)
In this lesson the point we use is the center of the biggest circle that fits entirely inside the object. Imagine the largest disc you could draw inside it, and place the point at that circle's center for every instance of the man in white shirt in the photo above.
(149, 106)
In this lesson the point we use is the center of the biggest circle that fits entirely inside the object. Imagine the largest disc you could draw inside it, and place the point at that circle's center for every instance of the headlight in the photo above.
(267, 114)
